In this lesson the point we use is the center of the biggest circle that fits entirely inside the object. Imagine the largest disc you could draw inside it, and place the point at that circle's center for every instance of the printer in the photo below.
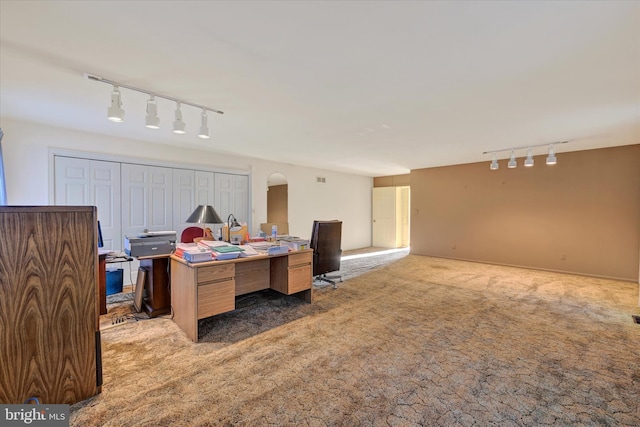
(150, 243)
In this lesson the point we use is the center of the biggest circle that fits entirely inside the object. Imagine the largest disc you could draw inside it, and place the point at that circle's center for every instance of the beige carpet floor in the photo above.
(421, 341)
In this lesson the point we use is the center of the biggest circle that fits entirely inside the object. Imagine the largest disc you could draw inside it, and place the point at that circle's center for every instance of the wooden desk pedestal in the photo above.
(102, 282)
(158, 295)
(201, 290)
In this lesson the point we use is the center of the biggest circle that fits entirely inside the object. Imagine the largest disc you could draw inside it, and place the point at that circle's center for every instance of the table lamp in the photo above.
(230, 224)
(205, 214)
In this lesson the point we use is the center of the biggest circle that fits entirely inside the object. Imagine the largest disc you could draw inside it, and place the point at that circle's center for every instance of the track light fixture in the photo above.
(528, 162)
(204, 130)
(152, 121)
(551, 159)
(494, 163)
(116, 113)
(178, 124)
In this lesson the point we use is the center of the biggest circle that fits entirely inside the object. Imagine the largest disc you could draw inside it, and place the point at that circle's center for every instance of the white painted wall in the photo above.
(345, 197)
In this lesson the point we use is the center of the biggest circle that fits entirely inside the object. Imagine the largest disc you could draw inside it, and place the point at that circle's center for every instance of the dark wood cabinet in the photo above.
(49, 323)
(157, 300)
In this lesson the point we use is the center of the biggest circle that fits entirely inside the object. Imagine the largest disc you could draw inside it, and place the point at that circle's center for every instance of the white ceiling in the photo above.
(366, 87)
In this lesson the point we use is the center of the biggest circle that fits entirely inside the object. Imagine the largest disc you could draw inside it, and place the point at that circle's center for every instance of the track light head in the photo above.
(204, 130)
(529, 160)
(152, 120)
(551, 158)
(494, 163)
(512, 161)
(115, 112)
(178, 124)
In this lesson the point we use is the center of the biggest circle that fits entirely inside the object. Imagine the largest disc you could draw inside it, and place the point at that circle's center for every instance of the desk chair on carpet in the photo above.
(326, 239)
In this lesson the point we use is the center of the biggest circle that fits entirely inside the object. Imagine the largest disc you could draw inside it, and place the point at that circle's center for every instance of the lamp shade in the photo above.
(205, 214)
(234, 222)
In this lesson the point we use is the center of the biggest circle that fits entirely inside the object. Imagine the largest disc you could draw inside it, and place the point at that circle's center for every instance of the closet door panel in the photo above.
(205, 189)
(84, 182)
(134, 199)
(184, 190)
(222, 195)
(160, 199)
(232, 196)
(72, 181)
(105, 186)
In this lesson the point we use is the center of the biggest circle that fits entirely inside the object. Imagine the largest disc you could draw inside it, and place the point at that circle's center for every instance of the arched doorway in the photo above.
(277, 203)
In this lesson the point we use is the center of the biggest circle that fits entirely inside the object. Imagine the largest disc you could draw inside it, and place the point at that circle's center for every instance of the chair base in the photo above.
(328, 279)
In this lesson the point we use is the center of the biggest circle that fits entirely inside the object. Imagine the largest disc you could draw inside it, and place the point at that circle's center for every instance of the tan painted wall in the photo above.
(586, 207)
(278, 203)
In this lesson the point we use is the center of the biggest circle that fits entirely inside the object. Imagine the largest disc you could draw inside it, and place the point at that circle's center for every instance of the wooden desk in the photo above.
(200, 290)
(103, 260)
(158, 296)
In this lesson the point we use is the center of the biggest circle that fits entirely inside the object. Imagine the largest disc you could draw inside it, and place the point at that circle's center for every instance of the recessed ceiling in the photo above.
(371, 88)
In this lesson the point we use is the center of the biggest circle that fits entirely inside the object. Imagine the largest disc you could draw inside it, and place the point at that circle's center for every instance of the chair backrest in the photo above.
(326, 239)
(190, 233)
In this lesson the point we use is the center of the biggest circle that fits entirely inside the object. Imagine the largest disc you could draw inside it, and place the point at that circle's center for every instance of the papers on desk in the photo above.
(260, 246)
(209, 250)
(192, 252)
(224, 250)
(247, 250)
(212, 243)
(227, 249)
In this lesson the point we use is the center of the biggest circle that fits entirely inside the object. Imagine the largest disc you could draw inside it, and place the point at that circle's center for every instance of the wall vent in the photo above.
(321, 179)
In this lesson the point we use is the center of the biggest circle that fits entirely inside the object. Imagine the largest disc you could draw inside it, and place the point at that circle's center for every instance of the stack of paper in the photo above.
(192, 252)
(247, 250)
(260, 246)
(197, 255)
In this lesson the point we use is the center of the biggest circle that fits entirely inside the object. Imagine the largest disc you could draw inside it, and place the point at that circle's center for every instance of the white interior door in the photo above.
(384, 217)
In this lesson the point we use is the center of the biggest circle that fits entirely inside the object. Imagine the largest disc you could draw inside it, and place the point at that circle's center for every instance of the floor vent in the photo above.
(636, 319)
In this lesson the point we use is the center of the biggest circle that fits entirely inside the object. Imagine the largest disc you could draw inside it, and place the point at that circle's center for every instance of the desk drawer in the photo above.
(216, 298)
(301, 258)
(212, 273)
(299, 279)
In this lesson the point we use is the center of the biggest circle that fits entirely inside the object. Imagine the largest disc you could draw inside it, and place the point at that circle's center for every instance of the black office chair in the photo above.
(326, 238)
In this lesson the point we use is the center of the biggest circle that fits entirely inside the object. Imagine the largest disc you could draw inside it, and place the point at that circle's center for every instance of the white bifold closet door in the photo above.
(147, 199)
(232, 196)
(84, 182)
(132, 198)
